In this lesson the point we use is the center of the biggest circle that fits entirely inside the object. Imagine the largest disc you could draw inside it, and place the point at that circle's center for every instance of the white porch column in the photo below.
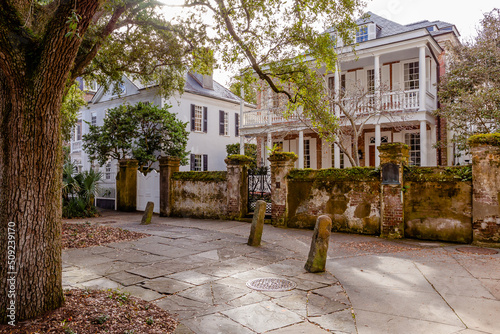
(423, 143)
(376, 70)
(377, 144)
(264, 152)
(421, 78)
(242, 142)
(336, 149)
(269, 145)
(301, 149)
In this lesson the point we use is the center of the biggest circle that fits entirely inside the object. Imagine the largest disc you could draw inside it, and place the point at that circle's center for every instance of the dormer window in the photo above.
(362, 34)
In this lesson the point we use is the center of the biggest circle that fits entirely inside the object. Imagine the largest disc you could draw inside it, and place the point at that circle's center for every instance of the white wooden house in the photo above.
(211, 111)
(408, 60)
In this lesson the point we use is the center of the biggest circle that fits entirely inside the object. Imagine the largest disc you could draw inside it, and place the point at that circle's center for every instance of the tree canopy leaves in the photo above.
(470, 90)
(141, 132)
(283, 44)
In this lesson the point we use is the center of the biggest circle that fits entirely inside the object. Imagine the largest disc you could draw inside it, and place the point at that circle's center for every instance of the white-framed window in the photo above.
(198, 118)
(307, 153)
(93, 119)
(370, 80)
(121, 88)
(107, 171)
(197, 163)
(362, 34)
(383, 139)
(413, 141)
(342, 162)
(411, 75)
(78, 130)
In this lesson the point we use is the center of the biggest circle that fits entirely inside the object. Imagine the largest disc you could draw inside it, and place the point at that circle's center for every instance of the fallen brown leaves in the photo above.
(86, 235)
(98, 311)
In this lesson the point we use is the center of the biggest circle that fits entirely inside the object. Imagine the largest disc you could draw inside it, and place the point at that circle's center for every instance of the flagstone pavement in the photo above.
(198, 269)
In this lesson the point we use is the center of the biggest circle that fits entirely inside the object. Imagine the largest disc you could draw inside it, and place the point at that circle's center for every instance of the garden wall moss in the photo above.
(438, 203)
(199, 194)
(351, 197)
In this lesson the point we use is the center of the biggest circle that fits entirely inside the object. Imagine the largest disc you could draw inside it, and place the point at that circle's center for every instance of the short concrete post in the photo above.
(281, 164)
(126, 185)
(316, 261)
(168, 166)
(148, 214)
(257, 224)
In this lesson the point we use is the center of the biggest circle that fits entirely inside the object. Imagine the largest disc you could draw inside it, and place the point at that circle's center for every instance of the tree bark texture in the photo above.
(33, 75)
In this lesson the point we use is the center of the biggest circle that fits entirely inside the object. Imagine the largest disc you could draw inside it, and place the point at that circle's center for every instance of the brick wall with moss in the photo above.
(199, 194)
(438, 203)
(351, 197)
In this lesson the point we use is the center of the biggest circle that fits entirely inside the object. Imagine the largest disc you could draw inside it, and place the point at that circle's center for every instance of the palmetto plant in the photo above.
(79, 191)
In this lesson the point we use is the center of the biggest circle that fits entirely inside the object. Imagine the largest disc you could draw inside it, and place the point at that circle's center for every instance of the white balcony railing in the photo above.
(263, 117)
(392, 101)
(76, 146)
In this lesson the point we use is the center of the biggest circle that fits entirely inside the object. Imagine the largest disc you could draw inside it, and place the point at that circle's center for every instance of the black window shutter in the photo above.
(221, 122)
(192, 162)
(192, 118)
(236, 125)
(205, 127)
(205, 161)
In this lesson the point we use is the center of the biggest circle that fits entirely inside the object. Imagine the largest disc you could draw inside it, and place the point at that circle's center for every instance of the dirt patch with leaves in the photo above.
(99, 311)
(87, 235)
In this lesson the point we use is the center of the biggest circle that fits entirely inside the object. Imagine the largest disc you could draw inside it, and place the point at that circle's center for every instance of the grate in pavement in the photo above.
(271, 284)
(477, 250)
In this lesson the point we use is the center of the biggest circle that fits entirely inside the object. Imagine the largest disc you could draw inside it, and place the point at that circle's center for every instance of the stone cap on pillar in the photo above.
(489, 139)
(170, 161)
(130, 163)
(238, 159)
(396, 153)
(282, 157)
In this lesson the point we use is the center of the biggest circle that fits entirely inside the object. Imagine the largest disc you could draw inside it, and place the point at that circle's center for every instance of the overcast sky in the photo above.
(464, 14)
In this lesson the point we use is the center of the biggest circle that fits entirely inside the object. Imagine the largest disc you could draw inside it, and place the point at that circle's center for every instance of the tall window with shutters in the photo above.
(198, 118)
(199, 162)
(236, 125)
(223, 123)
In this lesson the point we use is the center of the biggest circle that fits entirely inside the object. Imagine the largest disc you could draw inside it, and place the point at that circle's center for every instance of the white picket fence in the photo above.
(148, 190)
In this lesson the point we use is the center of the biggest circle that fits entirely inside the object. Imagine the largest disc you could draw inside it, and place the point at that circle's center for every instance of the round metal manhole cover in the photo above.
(271, 284)
(477, 250)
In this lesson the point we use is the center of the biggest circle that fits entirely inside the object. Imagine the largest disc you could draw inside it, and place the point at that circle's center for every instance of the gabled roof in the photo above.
(389, 28)
(219, 92)
(191, 86)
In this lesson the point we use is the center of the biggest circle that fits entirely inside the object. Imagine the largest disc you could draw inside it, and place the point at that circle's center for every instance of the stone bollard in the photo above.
(148, 214)
(319, 245)
(257, 224)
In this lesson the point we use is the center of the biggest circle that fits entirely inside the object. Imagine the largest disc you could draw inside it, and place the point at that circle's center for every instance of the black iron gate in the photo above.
(259, 188)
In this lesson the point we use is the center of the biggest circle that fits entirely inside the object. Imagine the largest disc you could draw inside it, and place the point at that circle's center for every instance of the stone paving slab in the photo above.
(198, 269)
(381, 323)
(216, 324)
(338, 322)
(302, 328)
(263, 317)
(477, 313)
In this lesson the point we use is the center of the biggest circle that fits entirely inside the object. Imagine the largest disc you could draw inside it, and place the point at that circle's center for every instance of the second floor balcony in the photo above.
(392, 102)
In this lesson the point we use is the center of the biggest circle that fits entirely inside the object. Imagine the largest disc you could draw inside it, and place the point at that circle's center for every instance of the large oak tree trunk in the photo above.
(33, 75)
(30, 197)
